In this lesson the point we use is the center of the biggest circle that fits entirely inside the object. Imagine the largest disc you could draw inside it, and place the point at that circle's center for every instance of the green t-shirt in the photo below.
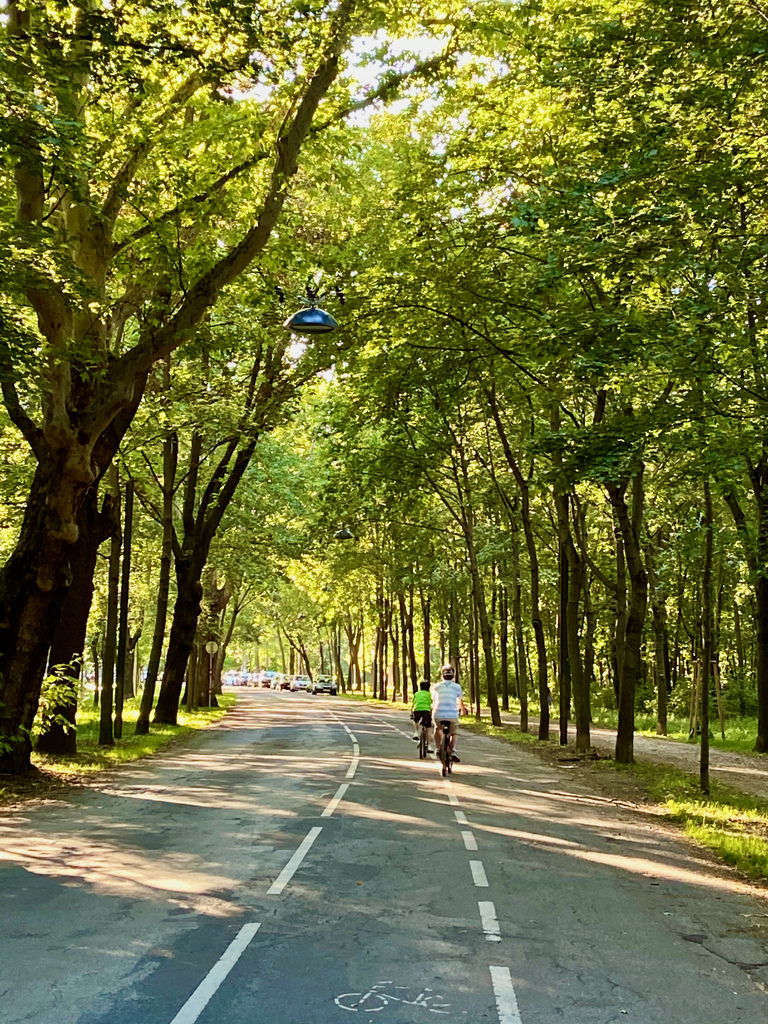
(422, 701)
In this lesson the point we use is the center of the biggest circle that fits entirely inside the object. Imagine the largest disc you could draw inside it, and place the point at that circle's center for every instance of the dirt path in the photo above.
(745, 772)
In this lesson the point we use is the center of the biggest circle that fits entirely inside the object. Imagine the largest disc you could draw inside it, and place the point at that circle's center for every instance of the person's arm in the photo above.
(462, 706)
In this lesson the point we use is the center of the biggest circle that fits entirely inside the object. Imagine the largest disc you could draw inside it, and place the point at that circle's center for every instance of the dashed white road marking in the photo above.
(356, 749)
(352, 768)
(210, 984)
(460, 817)
(489, 921)
(336, 800)
(506, 1000)
(352, 737)
(470, 843)
(478, 874)
(453, 799)
(290, 868)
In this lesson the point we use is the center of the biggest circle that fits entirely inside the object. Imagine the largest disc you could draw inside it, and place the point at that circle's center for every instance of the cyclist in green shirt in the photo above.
(421, 713)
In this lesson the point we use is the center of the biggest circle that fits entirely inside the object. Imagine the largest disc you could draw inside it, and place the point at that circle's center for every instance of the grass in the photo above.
(92, 758)
(740, 733)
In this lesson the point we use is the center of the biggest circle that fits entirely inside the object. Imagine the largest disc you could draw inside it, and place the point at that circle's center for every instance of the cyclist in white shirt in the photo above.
(447, 705)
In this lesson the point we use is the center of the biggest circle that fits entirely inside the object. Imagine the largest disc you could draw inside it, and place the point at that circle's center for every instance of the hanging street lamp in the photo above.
(311, 319)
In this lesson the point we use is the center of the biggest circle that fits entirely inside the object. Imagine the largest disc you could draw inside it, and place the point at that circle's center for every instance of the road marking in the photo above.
(489, 921)
(352, 737)
(506, 1000)
(470, 842)
(461, 817)
(352, 768)
(347, 730)
(334, 803)
(478, 873)
(453, 799)
(356, 749)
(290, 868)
(208, 987)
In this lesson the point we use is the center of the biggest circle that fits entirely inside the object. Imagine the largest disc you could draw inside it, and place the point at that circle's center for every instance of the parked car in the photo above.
(281, 682)
(301, 683)
(324, 684)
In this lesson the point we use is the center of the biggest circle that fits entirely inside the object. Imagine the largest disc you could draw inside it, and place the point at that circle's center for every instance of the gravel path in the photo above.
(745, 772)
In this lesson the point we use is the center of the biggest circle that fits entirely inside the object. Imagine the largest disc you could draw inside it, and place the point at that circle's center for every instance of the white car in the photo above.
(301, 683)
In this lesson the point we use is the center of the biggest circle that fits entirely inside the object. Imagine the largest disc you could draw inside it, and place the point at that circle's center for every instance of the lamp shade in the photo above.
(311, 321)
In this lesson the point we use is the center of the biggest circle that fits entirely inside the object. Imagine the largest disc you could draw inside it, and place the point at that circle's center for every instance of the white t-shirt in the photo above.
(445, 700)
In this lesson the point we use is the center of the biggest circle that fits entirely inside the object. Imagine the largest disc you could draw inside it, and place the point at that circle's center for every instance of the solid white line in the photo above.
(288, 871)
(353, 737)
(469, 840)
(506, 1000)
(352, 768)
(478, 874)
(207, 988)
(356, 749)
(347, 730)
(334, 803)
(461, 817)
(489, 921)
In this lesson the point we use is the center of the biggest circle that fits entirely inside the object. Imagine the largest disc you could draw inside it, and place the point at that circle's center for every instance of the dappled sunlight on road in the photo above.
(533, 809)
(118, 869)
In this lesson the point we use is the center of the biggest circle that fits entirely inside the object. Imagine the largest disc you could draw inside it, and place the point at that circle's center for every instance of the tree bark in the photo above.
(630, 526)
(68, 643)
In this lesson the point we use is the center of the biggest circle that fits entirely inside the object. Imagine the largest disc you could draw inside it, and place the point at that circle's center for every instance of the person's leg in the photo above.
(416, 726)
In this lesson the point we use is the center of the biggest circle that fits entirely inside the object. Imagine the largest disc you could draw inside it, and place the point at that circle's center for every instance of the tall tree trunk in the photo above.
(122, 636)
(517, 617)
(106, 737)
(170, 461)
(706, 638)
(630, 526)
(659, 610)
(504, 644)
(564, 659)
(426, 619)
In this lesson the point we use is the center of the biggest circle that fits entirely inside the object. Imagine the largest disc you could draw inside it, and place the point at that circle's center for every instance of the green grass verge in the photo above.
(731, 824)
(740, 733)
(92, 758)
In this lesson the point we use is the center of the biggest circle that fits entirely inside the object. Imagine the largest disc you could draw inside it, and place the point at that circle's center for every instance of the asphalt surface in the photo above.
(299, 865)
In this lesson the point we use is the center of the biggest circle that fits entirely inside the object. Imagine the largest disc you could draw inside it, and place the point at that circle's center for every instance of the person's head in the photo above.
(424, 684)
(447, 672)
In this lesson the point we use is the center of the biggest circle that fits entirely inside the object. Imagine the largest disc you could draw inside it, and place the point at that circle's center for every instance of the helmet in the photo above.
(447, 672)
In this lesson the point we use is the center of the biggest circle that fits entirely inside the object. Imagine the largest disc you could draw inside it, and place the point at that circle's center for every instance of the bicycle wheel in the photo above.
(423, 743)
(445, 754)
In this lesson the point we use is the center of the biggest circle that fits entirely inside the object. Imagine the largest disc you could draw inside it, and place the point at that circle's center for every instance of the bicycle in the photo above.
(423, 745)
(446, 749)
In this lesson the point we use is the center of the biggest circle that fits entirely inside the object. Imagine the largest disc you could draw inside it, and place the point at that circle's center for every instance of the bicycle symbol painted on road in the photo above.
(376, 999)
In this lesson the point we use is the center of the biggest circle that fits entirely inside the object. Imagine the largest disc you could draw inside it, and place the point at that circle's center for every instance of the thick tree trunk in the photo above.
(68, 643)
(706, 638)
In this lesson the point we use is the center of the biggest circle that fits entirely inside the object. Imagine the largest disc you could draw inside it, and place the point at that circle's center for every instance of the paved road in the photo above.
(299, 865)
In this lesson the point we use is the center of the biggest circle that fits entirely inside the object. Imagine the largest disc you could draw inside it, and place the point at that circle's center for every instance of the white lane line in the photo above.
(460, 817)
(352, 737)
(478, 874)
(352, 768)
(207, 988)
(347, 730)
(334, 803)
(288, 871)
(356, 749)
(470, 843)
(506, 1000)
(489, 921)
(453, 799)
